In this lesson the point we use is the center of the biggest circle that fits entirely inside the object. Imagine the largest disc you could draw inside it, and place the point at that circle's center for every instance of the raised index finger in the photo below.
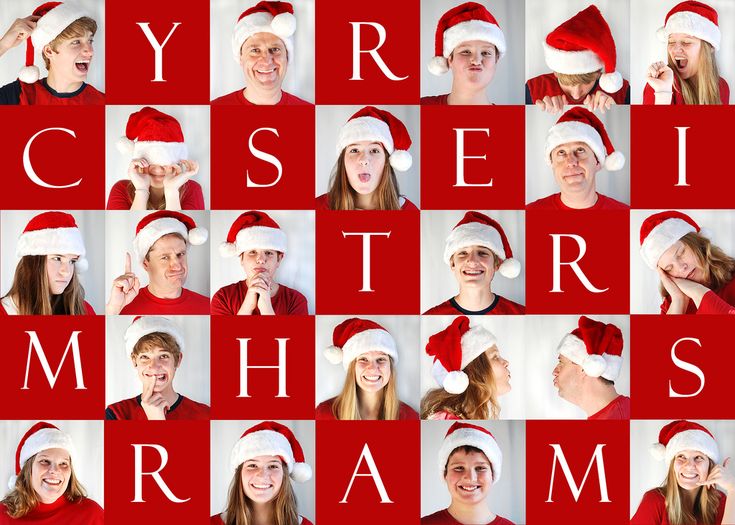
(128, 262)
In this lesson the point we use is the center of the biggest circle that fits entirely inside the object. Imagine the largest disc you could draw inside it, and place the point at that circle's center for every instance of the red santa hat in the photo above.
(581, 125)
(356, 336)
(466, 22)
(276, 18)
(684, 435)
(467, 434)
(477, 229)
(453, 349)
(41, 436)
(159, 223)
(660, 231)
(53, 232)
(253, 230)
(154, 136)
(584, 44)
(692, 18)
(596, 347)
(378, 125)
(272, 439)
(145, 325)
(55, 17)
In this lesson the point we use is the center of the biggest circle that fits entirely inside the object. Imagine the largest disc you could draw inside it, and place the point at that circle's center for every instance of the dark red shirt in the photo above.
(82, 512)
(709, 305)
(501, 306)
(618, 408)
(119, 199)
(237, 98)
(229, 299)
(443, 517)
(438, 100)
(324, 411)
(131, 409)
(649, 96)
(554, 202)
(40, 93)
(548, 85)
(652, 509)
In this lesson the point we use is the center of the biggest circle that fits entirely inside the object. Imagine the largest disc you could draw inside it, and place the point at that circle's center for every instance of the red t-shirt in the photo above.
(40, 93)
(217, 520)
(443, 517)
(437, 100)
(443, 415)
(237, 98)
(119, 198)
(652, 509)
(324, 411)
(87, 307)
(553, 203)
(188, 303)
(183, 408)
(548, 85)
(322, 203)
(82, 512)
(709, 305)
(618, 408)
(501, 306)
(649, 96)
(229, 299)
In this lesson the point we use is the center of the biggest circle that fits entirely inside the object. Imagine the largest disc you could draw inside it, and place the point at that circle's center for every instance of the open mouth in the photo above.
(51, 481)
(364, 177)
(473, 273)
(82, 66)
(261, 486)
(469, 489)
(681, 62)
(160, 378)
(690, 477)
(372, 379)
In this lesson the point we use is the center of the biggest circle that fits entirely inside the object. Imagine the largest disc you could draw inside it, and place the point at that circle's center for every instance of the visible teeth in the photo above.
(261, 486)
(266, 71)
(371, 378)
(52, 481)
(468, 489)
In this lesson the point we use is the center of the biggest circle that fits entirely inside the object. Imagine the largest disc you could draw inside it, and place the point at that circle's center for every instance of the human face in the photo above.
(50, 474)
(364, 164)
(500, 369)
(264, 61)
(166, 263)
(261, 478)
(72, 57)
(473, 266)
(684, 53)
(575, 166)
(690, 467)
(680, 261)
(575, 92)
(372, 371)
(568, 378)
(469, 477)
(473, 63)
(260, 261)
(159, 363)
(59, 271)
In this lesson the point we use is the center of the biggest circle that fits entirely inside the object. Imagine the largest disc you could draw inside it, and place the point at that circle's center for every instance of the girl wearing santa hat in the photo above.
(371, 144)
(470, 372)
(696, 276)
(51, 251)
(470, 462)
(469, 43)
(263, 460)
(690, 75)
(45, 489)
(368, 354)
(160, 170)
(689, 494)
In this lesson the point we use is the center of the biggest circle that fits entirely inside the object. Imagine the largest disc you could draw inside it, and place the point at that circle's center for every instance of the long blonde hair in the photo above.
(239, 509)
(346, 404)
(704, 86)
(706, 502)
(341, 196)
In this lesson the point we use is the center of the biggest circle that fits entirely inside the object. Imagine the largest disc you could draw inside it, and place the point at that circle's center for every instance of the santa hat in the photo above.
(159, 223)
(584, 44)
(467, 434)
(145, 325)
(581, 125)
(354, 337)
(53, 232)
(272, 439)
(41, 436)
(253, 230)
(55, 17)
(276, 18)
(453, 349)
(660, 231)
(466, 22)
(684, 435)
(154, 136)
(378, 125)
(476, 229)
(596, 347)
(692, 18)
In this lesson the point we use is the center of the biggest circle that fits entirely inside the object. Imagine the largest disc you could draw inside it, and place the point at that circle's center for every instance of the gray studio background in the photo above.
(507, 85)
(92, 227)
(227, 76)
(403, 328)
(297, 269)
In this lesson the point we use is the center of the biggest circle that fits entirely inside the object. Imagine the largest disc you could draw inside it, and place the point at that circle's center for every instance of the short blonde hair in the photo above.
(161, 340)
(579, 78)
(77, 28)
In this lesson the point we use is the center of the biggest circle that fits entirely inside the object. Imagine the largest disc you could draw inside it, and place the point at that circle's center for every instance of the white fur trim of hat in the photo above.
(572, 62)
(365, 128)
(158, 152)
(268, 443)
(43, 439)
(473, 438)
(54, 241)
(473, 30)
(693, 24)
(474, 342)
(573, 131)
(473, 234)
(372, 340)
(260, 238)
(282, 25)
(594, 365)
(148, 325)
(153, 231)
(662, 237)
(687, 440)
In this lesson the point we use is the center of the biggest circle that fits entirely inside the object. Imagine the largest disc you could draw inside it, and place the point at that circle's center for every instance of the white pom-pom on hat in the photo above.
(658, 451)
(401, 160)
(29, 74)
(456, 382)
(11, 482)
(438, 66)
(615, 161)
(125, 146)
(510, 268)
(198, 236)
(333, 354)
(228, 249)
(611, 82)
(301, 472)
(284, 25)
(594, 365)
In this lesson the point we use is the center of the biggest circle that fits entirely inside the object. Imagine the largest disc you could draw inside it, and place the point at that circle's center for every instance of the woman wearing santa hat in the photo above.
(368, 354)
(371, 144)
(470, 372)
(691, 76)
(470, 462)
(263, 460)
(696, 276)
(51, 251)
(160, 170)
(689, 494)
(45, 489)
(469, 43)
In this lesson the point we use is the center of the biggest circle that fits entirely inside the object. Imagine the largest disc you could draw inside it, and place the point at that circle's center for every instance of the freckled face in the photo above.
(261, 478)
(469, 477)
(372, 371)
(690, 467)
